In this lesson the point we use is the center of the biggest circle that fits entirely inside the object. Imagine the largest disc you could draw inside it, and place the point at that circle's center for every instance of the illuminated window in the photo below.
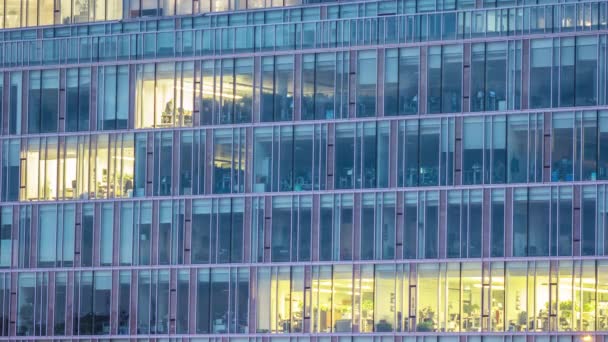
(164, 95)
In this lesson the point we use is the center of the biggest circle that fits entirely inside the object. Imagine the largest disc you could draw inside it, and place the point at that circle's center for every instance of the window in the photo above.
(489, 77)
(540, 73)
(171, 86)
(43, 101)
(444, 77)
(366, 83)
(113, 97)
(277, 86)
(229, 160)
(77, 99)
(10, 170)
(401, 81)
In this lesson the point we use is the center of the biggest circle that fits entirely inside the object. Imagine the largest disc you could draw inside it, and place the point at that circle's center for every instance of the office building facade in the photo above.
(304, 171)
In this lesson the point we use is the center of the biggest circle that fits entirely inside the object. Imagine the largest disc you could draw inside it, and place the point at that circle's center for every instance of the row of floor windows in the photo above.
(394, 337)
(344, 33)
(497, 149)
(590, 15)
(30, 13)
(519, 222)
(306, 87)
(538, 296)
